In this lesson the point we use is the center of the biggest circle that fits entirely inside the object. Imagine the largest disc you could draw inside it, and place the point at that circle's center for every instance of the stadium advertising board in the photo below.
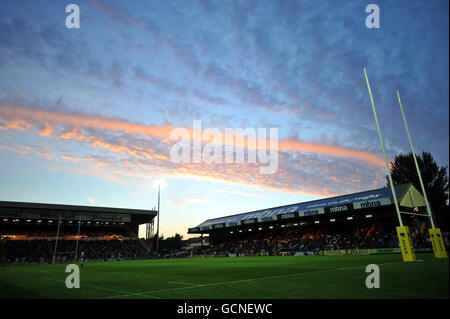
(369, 196)
(335, 205)
(304, 253)
(266, 219)
(372, 203)
(288, 215)
(385, 251)
(54, 214)
(338, 209)
(311, 212)
(341, 252)
(249, 221)
(231, 224)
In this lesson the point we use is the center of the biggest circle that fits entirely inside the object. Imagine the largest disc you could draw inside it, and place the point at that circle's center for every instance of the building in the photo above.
(38, 217)
(376, 204)
(43, 233)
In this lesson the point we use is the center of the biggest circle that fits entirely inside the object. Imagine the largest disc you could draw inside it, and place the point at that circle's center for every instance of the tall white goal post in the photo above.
(435, 233)
(403, 233)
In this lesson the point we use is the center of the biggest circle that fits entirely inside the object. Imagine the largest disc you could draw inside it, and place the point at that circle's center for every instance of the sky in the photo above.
(86, 114)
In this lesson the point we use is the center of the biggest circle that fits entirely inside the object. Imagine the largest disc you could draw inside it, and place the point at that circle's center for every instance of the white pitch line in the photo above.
(394, 262)
(129, 293)
(245, 280)
(181, 283)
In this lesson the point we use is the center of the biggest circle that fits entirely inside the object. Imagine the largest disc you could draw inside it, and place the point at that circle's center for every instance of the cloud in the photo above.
(71, 127)
(160, 84)
(180, 203)
(294, 64)
(21, 149)
(266, 61)
(250, 194)
(46, 155)
(139, 150)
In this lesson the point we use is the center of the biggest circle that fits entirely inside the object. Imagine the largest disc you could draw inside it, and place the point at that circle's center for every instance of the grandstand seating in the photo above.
(98, 244)
(36, 243)
(313, 238)
(41, 250)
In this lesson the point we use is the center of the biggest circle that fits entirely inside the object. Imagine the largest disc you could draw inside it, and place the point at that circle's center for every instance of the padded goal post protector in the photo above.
(406, 246)
(438, 243)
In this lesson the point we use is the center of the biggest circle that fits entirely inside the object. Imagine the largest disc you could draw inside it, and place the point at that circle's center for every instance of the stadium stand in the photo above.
(365, 220)
(28, 233)
(313, 239)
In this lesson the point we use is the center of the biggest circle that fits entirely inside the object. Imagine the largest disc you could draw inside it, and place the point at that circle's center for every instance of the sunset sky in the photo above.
(86, 114)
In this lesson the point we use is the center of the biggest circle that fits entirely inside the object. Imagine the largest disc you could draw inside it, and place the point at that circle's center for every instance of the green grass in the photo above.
(242, 277)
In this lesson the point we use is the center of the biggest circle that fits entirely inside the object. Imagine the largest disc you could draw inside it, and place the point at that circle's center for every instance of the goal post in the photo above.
(403, 233)
(438, 243)
(435, 233)
(56, 242)
(75, 257)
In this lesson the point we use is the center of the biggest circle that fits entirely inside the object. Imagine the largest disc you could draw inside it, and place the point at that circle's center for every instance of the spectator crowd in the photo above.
(39, 251)
(314, 238)
(306, 239)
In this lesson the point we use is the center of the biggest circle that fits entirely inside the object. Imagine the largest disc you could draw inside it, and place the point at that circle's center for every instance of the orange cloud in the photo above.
(70, 158)
(143, 150)
(46, 155)
(47, 131)
(25, 119)
(332, 150)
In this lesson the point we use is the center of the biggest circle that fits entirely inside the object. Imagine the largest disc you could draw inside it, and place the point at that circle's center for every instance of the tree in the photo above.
(172, 243)
(435, 179)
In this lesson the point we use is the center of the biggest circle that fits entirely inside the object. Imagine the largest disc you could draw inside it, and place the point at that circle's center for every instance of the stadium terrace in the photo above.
(377, 204)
